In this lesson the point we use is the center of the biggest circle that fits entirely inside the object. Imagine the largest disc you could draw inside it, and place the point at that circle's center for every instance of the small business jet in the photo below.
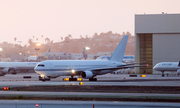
(167, 66)
(13, 67)
(85, 68)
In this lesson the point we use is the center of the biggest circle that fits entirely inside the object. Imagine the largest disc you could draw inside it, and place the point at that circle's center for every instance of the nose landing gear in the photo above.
(44, 78)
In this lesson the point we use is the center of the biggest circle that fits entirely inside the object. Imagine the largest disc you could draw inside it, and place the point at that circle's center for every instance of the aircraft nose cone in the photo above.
(35, 69)
(155, 67)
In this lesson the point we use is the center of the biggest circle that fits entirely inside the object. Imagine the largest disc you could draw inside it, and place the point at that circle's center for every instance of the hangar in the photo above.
(157, 39)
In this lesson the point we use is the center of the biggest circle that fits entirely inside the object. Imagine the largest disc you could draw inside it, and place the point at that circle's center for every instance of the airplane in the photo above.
(85, 68)
(167, 66)
(17, 67)
(13, 67)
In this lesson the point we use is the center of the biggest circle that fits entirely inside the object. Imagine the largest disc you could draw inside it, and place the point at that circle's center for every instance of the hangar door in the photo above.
(145, 52)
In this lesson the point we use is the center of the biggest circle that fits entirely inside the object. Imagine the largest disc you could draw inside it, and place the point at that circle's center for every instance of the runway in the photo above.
(82, 104)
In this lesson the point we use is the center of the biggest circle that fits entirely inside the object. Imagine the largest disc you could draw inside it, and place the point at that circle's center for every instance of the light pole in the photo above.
(0, 51)
(84, 52)
(87, 48)
(38, 47)
(20, 47)
(111, 46)
(66, 47)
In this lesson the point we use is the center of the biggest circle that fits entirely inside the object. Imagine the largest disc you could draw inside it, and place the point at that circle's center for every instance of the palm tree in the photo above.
(61, 38)
(47, 40)
(30, 42)
(42, 38)
(15, 40)
(66, 38)
(69, 36)
(33, 38)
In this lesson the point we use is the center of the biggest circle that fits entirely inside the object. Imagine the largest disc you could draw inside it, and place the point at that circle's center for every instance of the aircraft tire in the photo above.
(95, 79)
(40, 78)
(92, 79)
(2, 74)
(13, 73)
(48, 79)
(72, 79)
(43, 80)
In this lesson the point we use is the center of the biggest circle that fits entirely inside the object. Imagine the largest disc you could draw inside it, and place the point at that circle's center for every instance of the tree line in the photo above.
(103, 42)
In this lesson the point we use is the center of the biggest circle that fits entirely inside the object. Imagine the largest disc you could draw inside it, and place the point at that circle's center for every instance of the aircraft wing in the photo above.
(110, 68)
(132, 63)
(7, 67)
(120, 67)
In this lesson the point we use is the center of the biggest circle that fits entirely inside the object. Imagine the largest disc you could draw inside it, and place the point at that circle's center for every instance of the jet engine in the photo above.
(178, 71)
(87, 74)
(5, 70)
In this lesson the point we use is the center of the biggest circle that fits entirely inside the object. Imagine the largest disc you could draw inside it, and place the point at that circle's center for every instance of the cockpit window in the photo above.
(42, 65)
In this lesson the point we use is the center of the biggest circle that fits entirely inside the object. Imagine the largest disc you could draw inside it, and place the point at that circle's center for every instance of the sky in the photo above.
(54, 19)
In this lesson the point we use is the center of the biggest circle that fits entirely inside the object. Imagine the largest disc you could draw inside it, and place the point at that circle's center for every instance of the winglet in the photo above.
(118, 54)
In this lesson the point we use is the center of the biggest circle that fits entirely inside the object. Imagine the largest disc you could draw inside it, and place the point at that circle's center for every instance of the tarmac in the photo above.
(108, 79)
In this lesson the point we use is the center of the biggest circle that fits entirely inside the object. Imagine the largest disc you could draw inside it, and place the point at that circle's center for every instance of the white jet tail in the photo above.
(118, 54)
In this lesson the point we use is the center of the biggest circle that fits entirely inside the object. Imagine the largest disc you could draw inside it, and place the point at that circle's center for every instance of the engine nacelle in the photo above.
(178, 71)
(5, 70)
(87, 74)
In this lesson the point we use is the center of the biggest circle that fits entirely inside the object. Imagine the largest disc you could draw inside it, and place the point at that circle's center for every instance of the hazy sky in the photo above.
(58, 18)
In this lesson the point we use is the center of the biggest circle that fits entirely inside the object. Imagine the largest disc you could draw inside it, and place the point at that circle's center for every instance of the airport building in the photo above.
(157, 39)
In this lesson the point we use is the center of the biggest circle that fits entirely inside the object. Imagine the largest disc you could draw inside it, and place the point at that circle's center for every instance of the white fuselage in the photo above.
(18, 65)
(65, 67)
(166, 66)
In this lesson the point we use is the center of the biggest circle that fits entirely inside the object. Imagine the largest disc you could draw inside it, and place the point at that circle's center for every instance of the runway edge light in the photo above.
(79, 79)
(142, 75)
(6, 88)
(65, 79)
(80, 83)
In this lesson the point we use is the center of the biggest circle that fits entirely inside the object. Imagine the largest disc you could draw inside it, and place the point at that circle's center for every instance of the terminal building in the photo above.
(157, 39)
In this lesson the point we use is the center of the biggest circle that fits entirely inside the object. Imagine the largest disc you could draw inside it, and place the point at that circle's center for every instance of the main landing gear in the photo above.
(92, 79)
(14, 72)
(2, 74)
(162, 73)
(72, 79)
